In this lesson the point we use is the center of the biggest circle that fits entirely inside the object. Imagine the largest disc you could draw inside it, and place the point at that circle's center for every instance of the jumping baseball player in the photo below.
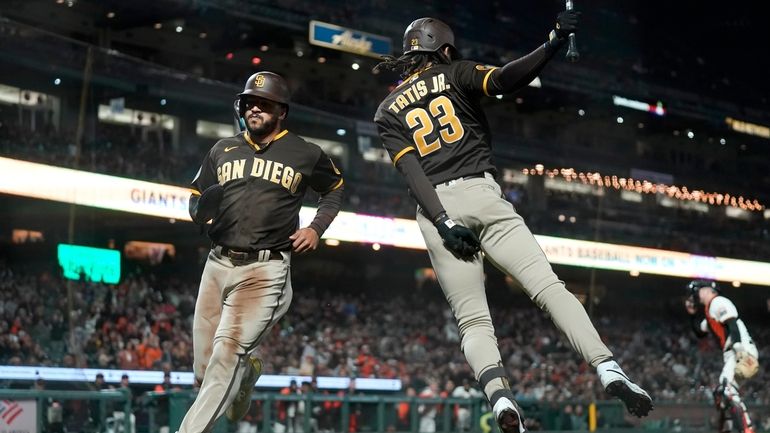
(437, 136)
(251, 185)
(741, 357)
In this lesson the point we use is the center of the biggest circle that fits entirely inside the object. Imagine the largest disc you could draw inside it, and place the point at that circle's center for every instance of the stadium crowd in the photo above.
(136, 152)
(144, 323)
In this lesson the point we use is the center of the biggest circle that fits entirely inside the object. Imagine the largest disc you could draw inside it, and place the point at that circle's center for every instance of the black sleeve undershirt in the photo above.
(732, 329)
(328, 208)
(520, 72)
(420, 186)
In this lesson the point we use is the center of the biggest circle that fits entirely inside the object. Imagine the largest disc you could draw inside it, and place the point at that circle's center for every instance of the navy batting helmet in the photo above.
(694, 286)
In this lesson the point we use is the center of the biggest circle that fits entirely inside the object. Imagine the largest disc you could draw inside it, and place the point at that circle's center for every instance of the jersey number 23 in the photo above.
(441, 111)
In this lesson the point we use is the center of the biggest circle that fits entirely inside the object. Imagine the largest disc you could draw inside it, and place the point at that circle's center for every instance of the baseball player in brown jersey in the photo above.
(436, 133)
(741, 357)
(251, 185)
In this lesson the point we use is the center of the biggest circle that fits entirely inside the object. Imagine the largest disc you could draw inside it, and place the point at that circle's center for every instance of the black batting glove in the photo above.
(206, 207)
(566, 23)
(460, 240)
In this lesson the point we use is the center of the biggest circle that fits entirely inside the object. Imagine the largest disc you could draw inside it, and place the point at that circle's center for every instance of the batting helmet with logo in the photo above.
(268, 85)
(428, 35)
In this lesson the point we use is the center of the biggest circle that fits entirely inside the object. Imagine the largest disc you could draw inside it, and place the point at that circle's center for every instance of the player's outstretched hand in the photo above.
(689, 305)
(304, 240)
(460, 240)
(566, 23)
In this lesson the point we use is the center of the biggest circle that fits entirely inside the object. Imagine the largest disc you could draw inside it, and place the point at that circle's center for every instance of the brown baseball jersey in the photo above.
(437, 113)
(263, 188)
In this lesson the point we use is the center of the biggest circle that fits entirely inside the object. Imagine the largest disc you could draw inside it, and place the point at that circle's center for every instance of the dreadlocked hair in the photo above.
(410, 63)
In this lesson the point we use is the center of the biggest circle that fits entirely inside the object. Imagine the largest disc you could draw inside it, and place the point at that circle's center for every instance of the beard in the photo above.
(258, 129)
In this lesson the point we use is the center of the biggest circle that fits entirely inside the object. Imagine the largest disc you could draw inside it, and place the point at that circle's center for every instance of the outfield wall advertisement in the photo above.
(168, 201)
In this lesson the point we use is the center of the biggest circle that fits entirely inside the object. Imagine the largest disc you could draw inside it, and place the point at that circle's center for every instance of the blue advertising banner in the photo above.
(344, 39)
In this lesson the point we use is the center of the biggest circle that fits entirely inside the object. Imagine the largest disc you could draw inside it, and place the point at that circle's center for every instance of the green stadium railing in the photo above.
(374, 413)
(377, 413)
(119, 396)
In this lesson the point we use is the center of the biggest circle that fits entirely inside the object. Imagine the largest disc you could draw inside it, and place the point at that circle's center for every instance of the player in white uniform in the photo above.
(739, 352)
(428, 411)
(464, 412)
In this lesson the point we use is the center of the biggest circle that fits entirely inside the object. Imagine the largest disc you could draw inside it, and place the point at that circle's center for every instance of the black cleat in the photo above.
(509, 416)
(637, 401)
(617, 384)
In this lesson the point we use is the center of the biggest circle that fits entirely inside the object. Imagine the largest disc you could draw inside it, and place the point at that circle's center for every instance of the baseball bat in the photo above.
(572, 52)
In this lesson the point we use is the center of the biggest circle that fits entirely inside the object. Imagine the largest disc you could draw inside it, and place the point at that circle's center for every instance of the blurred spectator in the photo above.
(428, 411)
(288, 409)
(464, 412)
(96, 414)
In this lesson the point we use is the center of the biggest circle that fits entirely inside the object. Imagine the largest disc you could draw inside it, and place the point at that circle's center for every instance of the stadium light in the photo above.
(690, 134)
(256, 60)
(355, 66)
(722, 141)
(110, 15)
(179, 29)
(748, 127)
(681, 193)
(322, 59)
(639, 105)
(202, 35)
(264, 48)
(581, 112)
(619, 119)
(57, 81)
(157, 26)
(341, 132)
